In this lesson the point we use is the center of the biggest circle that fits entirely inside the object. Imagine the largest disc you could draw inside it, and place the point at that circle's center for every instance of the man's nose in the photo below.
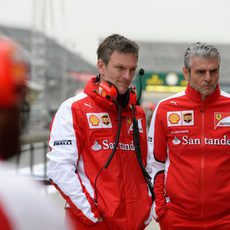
(208, 76)
(128, 75)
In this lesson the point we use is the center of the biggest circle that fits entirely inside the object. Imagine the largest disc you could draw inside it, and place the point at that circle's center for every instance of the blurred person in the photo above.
(98, 146)
(21, 205)
(148, 108)
(189, 138)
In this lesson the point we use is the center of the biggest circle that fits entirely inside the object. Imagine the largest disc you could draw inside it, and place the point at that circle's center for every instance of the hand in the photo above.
(100, 219)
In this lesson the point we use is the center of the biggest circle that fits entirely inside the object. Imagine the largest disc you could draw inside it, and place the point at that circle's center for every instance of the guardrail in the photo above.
(32, 160)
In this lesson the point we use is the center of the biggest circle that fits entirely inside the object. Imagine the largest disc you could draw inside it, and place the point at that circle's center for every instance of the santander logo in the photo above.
(186, 140)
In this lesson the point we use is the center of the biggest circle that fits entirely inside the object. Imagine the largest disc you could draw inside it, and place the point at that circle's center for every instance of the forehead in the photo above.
(204, 63)
(120, 58)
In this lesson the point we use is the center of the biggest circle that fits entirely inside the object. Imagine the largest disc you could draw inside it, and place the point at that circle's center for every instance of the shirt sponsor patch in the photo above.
(130, 125)
(180, 118)
(96, 146)
(107, 145)
(180, 131)
(186, 140)
(63, 142)
(98, 120)
(221, 119)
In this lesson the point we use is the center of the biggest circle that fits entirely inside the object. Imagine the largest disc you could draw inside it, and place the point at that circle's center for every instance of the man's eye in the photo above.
(120, 68)
(133, 70)
(201, 72)
(214, 71)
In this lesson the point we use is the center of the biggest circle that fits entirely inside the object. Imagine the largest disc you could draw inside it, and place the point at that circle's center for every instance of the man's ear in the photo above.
(100, 67)
(186, 73)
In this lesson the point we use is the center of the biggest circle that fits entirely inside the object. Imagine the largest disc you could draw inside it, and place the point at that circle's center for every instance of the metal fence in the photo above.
(32, 160)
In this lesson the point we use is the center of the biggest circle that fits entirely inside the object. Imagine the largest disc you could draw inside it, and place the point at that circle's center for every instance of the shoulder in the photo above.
(67, 105)
(77, 98)
(171, 101)
(176, 96)
(139, 109)
(225, 94)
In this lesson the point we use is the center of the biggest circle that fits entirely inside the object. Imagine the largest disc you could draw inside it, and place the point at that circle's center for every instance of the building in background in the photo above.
(65, 73)
(56, 75)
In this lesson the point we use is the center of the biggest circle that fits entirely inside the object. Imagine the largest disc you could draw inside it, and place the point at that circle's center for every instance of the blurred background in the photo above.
(61, 38)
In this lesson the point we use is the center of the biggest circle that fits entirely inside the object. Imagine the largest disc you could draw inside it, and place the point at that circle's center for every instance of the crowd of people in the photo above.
(113, 168)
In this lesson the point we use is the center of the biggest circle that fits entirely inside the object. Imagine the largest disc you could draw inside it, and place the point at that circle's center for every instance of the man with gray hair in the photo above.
(189, 142)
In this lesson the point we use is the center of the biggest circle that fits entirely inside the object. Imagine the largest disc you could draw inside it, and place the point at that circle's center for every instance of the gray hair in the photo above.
(202, 50)
(116, 42)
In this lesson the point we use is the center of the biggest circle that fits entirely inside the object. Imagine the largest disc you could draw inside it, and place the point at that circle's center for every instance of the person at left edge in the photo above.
(22, 206)
(102, 194)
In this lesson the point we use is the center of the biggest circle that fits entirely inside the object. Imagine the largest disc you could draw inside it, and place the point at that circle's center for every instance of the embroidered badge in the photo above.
(180, 118)
(221, 119)
(98, 120)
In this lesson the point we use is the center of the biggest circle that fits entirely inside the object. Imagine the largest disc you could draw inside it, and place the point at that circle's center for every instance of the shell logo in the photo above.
(174, 118)
(94, 120)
